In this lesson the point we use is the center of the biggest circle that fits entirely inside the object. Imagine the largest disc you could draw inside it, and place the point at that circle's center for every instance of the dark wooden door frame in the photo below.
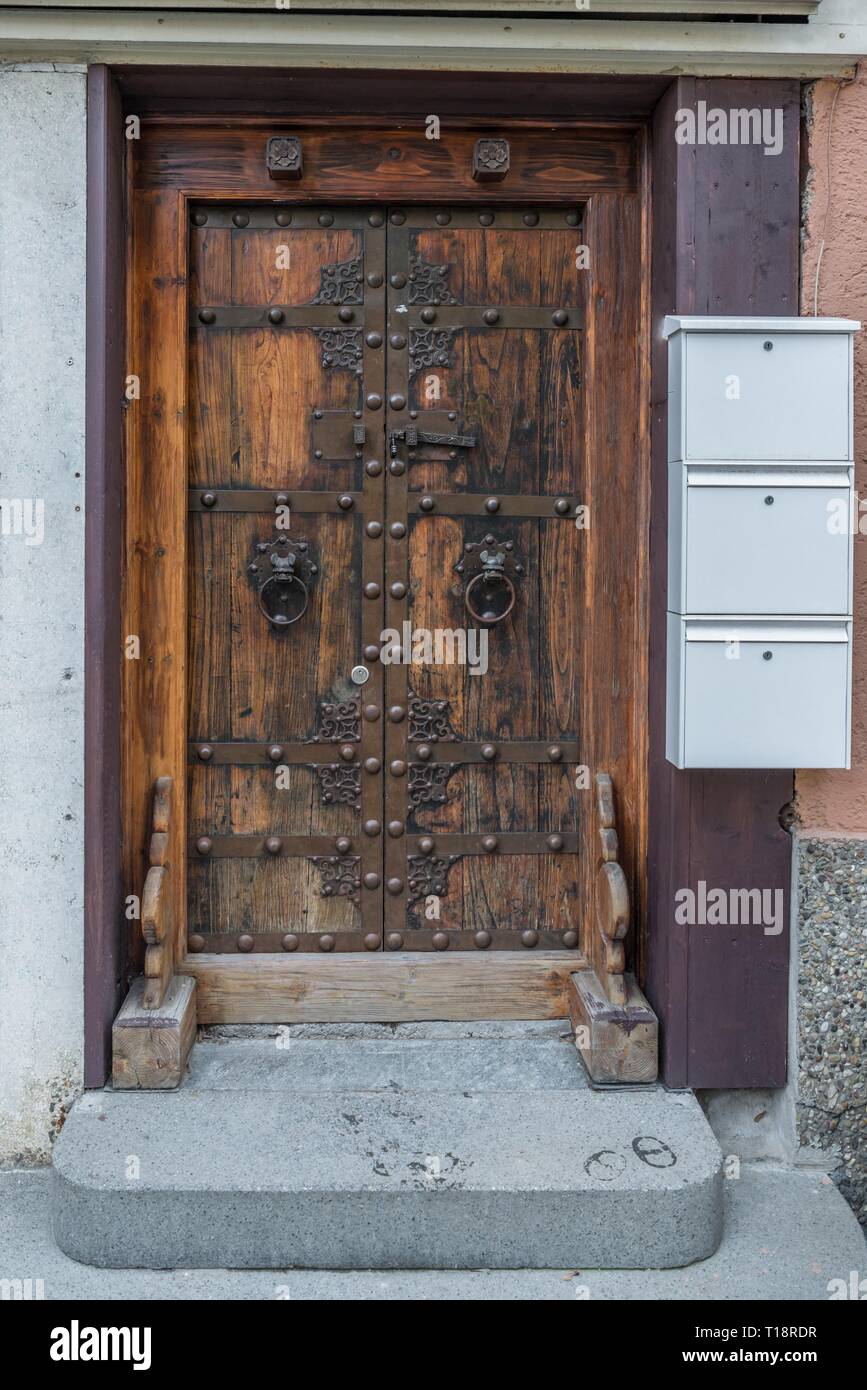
(722, 1003)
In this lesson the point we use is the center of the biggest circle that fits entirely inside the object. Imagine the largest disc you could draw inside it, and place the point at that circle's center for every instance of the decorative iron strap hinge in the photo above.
(413, 436)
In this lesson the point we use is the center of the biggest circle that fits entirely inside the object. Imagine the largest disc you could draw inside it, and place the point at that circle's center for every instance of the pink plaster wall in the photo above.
(835, 200)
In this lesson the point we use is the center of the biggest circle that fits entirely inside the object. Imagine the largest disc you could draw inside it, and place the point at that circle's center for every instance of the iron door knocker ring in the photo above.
(490, 594)
(283, 595)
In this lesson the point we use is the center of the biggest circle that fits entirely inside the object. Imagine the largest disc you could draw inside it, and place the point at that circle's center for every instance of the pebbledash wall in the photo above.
(830, 861)
(42, 379)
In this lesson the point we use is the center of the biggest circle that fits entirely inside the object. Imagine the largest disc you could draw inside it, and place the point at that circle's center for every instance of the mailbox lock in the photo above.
(769, 501)
(768, 346)
(766, 656)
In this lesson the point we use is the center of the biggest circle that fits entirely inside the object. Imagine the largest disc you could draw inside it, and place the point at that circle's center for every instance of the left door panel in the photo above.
(285, 476)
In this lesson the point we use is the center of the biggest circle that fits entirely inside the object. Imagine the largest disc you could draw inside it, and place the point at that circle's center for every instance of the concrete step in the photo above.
(388, 1152)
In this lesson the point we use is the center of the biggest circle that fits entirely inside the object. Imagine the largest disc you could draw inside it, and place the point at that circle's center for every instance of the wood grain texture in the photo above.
(725, 241)
(150, 1047)
(387, 988)
(618, 1042)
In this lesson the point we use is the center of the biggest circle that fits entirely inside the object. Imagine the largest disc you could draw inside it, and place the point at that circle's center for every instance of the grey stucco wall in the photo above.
(832, 1010)
(42, 263)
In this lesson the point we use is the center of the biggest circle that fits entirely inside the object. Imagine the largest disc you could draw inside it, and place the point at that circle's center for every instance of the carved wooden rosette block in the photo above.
(490, 159)
(154, 1031)
(283, 158)
(616, 1030)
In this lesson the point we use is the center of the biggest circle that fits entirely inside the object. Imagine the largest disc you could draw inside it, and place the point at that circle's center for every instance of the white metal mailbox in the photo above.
(744, 389)
(761, 520)
(772, 694)
(759, 540)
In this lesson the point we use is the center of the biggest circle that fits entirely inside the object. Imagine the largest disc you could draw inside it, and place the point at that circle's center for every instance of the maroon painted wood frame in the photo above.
(725, 241)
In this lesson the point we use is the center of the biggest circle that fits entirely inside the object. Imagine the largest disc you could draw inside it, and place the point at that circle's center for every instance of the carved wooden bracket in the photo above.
(490, 160)
(156, 903)
(616, 1030)
(283, 157)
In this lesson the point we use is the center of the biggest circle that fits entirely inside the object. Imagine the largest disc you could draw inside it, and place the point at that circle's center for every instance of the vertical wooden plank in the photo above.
(725, 241)
(103, 526)
(154, 685)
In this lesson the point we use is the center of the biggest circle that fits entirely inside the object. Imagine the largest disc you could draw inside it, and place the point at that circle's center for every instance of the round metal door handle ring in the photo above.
(489, 598)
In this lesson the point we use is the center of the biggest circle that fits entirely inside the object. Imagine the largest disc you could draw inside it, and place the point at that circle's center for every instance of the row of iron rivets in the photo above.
(490, 844)
(281, 499)
(277, 315)
(274, 844)
(561, 507)
(393, 941)
(396, 714)
(559, 317)
(346, 315)
(283, 218)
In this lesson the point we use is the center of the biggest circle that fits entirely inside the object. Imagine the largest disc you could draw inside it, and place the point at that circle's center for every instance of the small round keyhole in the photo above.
(769, 501)
(766, 656)
(769, 347)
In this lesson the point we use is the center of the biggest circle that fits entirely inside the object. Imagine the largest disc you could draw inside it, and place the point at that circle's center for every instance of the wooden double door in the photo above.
(389, 538)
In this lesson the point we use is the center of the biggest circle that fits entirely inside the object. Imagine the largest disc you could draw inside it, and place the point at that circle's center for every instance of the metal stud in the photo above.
(276, 316)
(199, 219)
(371, 590)
(209, 499)
(397, 530)
(204, 844)
(426, 845)
(347, 752)
(275, 752)
(394, 886)
(491, 316)
(561, 506)
(241, 219)
(371, 653)
(492, 504)
(490, 843)
(572, 219)
(273, 844)
(372, 828)
(482, 939)
(529, 938)
(373, 468)
(375, 219)
(397, 467)
(394, 941)
(397, 768)
(570, 939)
(486, 218)
(283, 218)
(554, 842)
(371, 713)
(207, 316)
(372, 765)
(371, 942)
(426, 504)
(345, 502)
(343, 844)
(488, 752)
(555, 753)
(371, 881)
(281, 499)
(397, 341)
(559, 317)
(443, 218)
(396, 828)
(374, 279)
(398, 280)
(374, 529)
(397, 218)
(531, 219)
(374, 401)
(325, 219)
(374, 340)
(245, 943)
(397, 713)
(423, 752)
(326, 942)
(205, 753)
(397, 401)
(195, 942)
(290, 942)
(439, 941)
(397, 590)
(428, 315)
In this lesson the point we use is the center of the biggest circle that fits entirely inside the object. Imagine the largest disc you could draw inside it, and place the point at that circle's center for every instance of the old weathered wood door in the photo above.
(414, 549)
(386, 561)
